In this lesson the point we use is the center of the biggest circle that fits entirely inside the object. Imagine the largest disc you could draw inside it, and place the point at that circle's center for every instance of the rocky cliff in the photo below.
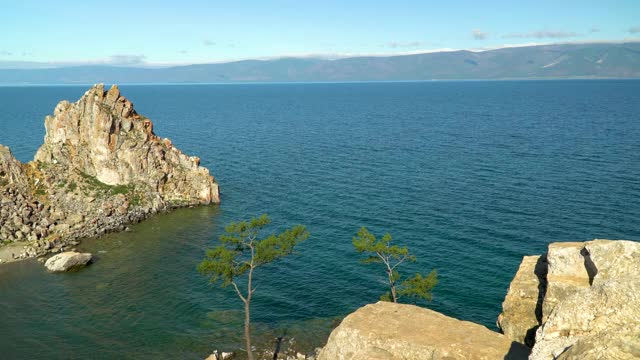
(580, 300)
(577, 301)
(100, 168)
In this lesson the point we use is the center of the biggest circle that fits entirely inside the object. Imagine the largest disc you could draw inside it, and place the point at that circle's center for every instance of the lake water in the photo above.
(470, 176)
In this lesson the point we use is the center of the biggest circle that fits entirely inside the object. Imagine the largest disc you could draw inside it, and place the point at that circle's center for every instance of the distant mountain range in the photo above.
(596, 60)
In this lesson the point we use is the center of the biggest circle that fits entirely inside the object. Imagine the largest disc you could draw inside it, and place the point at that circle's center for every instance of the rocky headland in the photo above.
(101, 167)
(580, 300)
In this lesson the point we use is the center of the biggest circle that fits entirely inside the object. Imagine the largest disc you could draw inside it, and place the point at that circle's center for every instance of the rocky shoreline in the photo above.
(101, 168)
(580, 300)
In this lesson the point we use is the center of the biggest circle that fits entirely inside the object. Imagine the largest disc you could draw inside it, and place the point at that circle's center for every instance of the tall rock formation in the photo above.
(100, 168)
(102, 136)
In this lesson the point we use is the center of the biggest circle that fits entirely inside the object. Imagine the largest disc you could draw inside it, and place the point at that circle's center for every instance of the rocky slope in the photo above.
(100, 168)
(577, 301)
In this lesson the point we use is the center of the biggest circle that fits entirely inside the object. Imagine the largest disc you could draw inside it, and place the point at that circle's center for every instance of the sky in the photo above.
(157, 33)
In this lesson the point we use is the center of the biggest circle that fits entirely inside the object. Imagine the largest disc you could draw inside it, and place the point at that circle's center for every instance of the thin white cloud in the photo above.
(479, 34)
(407, 44)
(125, 60)
(114, 60)
(542, 34)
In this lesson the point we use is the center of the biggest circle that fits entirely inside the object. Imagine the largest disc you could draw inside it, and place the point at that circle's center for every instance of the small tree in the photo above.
(242, 251)
(418, 287)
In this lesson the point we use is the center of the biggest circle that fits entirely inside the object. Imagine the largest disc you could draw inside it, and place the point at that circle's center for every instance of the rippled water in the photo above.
(470, 175)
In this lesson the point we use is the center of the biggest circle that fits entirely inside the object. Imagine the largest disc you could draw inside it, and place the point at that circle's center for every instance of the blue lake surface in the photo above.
(471, 176)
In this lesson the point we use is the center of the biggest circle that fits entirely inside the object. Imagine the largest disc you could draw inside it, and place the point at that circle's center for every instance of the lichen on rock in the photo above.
(101, 167)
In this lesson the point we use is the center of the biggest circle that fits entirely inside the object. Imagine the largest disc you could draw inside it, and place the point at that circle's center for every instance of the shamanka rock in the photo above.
(100, 168)
(102, 136)
(67, 261)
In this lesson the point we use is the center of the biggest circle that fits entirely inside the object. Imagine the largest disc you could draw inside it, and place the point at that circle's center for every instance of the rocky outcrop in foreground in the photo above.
(581, 300)
(100, 168)
(578, 301)
(389, 331)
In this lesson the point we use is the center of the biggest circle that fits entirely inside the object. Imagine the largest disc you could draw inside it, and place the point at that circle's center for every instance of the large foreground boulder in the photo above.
(67, 261)
(396, 331)
(588, 301)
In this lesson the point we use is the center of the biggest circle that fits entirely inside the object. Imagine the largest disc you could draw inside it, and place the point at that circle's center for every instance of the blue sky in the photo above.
(198, 31)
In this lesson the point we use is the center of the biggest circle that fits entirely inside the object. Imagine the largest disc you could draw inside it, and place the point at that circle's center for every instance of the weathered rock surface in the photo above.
(66, 261)
(395, 331)
(102, 136)
(100, 168)
(522, 307)
(590, 306)
(11, 172)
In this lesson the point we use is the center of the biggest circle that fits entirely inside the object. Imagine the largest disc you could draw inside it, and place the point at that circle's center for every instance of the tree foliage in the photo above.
(241, 251)
(381, 251)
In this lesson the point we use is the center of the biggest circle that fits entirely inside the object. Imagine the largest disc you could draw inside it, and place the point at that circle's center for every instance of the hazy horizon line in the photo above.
(142, 64)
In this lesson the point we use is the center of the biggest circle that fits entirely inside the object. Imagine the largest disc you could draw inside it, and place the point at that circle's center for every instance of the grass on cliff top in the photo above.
(98, 185)
(36, 179)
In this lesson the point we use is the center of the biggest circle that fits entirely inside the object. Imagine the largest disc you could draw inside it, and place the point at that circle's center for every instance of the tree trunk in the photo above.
(247, 311)
(392, 284)
(393, 293)
(247, 327)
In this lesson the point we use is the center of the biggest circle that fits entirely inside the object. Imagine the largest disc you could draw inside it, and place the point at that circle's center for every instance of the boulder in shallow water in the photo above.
(67, 261)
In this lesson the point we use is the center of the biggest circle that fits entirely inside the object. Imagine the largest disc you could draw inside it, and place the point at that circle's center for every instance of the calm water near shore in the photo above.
(470, 175)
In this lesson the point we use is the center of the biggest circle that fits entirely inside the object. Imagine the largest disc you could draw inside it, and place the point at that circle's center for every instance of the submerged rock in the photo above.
(391, 331)
(67, 261)
(220, 355)
(101, 167)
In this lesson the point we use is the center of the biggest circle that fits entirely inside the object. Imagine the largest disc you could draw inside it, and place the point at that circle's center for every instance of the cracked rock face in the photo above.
(100, 168)
(521, 314)
(588, 303)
